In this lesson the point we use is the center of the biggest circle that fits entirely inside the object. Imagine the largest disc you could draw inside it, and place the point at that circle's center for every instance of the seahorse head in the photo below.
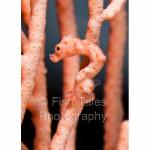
(66, 48)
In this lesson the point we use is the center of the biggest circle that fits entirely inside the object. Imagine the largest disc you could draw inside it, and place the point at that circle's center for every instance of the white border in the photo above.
(10, 135)
(139, 74)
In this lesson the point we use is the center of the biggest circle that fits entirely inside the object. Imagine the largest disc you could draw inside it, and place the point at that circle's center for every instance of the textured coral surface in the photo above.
(83, 59)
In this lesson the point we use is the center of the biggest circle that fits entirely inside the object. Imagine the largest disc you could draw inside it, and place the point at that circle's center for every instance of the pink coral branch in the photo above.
(24, 39)
(33, 47)
(24, 42)
(95, 20)
(123, 136)
(67, 122)
(113, 9)
(67, 26)
(114, 76)
(25, 11)
(71, 143)
(38, 106)
(30, 59)
(23, 147)
(97, 15)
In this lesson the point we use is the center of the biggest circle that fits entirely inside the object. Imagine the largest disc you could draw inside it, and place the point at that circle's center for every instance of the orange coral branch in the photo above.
(123, 136)
(24, 42)
(67, 26)
(71, 143)
(23, 147)
(24, 39)
(25, 10)
(30, 59)
(65, 10)
(97, 15)
(67, 122)
(33, 47)
(114, 75)
(38, 107)
(113, 9)
(95, 20)
(94, 25)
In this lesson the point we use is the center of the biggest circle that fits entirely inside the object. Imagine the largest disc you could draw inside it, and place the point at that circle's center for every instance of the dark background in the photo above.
(89, 134)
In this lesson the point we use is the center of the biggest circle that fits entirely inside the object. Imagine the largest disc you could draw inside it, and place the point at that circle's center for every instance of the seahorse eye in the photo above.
(58, 48)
